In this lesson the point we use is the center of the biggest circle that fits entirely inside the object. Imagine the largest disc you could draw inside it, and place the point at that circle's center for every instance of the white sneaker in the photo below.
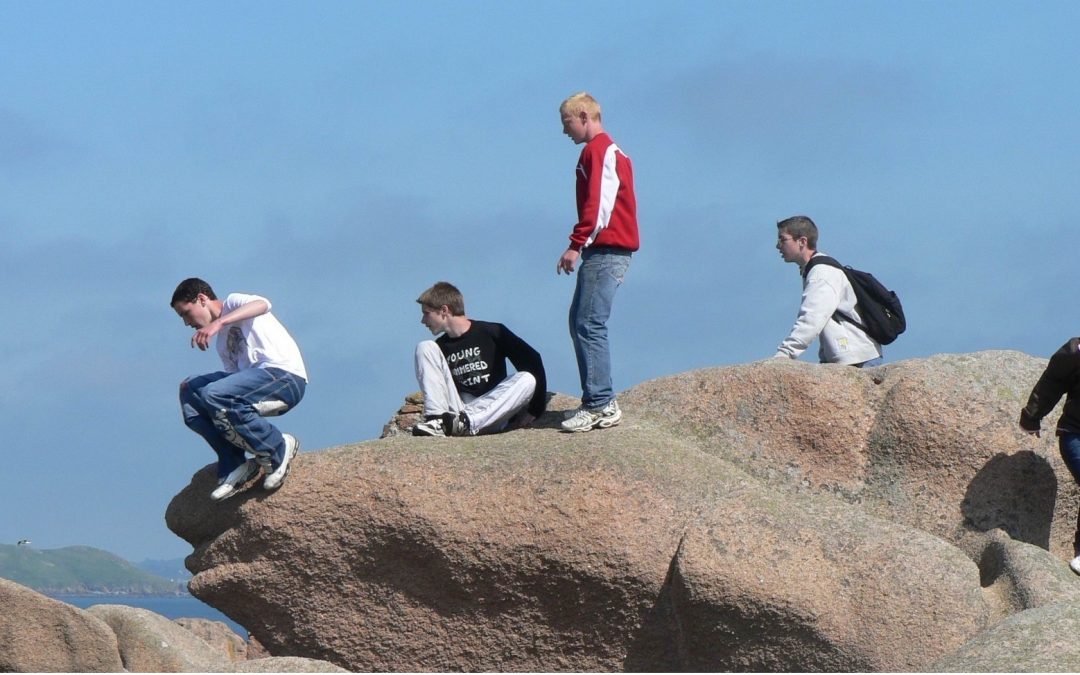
(276, 477)
(447, 424)
(582, 420)
(431, 427)
(1075, 564)
(232, 483)
(587, 420)
(610, 415)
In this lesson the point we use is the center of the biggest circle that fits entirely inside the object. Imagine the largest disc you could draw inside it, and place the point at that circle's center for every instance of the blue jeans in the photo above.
(229, 410)
(1069, 445)
(600, 274)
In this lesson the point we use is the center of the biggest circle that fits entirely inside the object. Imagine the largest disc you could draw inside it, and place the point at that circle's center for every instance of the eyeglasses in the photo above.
(781, 240)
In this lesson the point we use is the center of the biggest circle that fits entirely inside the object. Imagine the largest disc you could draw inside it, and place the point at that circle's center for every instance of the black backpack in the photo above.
(882, 315)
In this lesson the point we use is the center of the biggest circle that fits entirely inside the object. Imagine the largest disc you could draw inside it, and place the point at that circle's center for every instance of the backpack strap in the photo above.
(822, 260)
(837, 316)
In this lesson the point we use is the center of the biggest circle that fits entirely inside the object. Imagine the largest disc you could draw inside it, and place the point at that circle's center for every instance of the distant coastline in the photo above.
(168, 606)
(84, 570)
(67, 593)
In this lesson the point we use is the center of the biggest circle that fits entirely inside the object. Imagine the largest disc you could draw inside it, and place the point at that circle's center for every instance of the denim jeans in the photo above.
(600, 274)
(229, 410)
(1069, 445)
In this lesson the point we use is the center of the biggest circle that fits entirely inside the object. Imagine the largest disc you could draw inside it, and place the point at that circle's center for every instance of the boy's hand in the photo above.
(1029, 424)
(201, 339)
(567, 261)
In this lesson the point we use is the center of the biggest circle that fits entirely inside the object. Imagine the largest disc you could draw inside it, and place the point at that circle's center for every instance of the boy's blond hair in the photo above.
(581, 102)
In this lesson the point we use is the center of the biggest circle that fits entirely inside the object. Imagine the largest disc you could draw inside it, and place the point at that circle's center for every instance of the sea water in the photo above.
(168, 606)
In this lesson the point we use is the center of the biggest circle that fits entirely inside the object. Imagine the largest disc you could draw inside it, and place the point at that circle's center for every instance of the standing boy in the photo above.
(827, 297)
(463, 372)
(603, 240)
(264, 375)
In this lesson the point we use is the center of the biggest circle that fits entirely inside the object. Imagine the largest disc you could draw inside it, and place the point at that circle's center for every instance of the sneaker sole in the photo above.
(578, 430)
(288, 465)
(417, 431)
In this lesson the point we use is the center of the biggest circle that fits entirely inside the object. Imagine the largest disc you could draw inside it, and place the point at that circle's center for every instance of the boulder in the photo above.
(771, 516)
(150, 643)
(932, 443)
(502, 552)
(1021, 576)
(768, 582)
(286, 664)
(218, 635)
(1040, 640)
(39, 634)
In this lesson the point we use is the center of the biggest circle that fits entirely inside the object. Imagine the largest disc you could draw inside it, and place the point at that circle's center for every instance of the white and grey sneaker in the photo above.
(232, 483)
(275, 478)
(1075, 564)
(447, 424)
(429, 427)
(584, 419)
(610, 415)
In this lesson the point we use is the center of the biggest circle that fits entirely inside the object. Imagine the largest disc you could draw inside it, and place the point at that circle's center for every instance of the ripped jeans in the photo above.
(229, 411)
(599, 275)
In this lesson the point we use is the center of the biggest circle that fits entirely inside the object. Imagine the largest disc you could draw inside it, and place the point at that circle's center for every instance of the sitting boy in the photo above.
(463, 373)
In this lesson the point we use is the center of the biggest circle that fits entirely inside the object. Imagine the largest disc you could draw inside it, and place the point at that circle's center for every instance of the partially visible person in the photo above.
(263, 375)
(603, 240)
(827, 293)
(1061, 378)
(463, 373)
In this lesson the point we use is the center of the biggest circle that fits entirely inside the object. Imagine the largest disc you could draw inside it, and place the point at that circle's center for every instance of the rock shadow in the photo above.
(1015, 493)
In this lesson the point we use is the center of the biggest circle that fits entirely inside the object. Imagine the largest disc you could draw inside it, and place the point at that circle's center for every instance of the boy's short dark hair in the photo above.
(443, 293)
(189, 290)
(800, 226)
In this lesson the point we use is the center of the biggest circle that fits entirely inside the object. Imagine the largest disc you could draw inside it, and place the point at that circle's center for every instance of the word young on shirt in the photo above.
(470, 362)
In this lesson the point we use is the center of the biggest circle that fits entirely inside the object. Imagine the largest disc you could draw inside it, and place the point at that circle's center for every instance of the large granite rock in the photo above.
(218, 635)
(932, 443)
(770, 516)
(1040, 640)
(286, 664)
(39, 634)
(150, 643)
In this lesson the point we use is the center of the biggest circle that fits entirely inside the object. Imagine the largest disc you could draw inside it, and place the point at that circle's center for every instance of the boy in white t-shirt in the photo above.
(264, 375)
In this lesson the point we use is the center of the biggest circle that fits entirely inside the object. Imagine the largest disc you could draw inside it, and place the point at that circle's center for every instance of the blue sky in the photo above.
(339, 157)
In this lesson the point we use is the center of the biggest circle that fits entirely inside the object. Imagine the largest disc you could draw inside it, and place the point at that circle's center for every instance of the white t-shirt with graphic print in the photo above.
(260, 342)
